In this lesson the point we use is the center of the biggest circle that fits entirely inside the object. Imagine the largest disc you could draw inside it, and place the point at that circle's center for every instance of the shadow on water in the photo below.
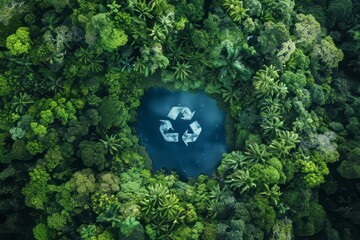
(201, 156)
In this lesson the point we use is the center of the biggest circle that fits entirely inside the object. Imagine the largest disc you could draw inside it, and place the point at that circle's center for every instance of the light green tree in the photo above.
(40, 232)
(307, 30)
(326, 51)
(19, 42)
(36, 191)
(59, 220)
(111, 37)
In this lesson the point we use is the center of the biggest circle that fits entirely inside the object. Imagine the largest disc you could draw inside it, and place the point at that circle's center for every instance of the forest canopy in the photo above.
(72, 73)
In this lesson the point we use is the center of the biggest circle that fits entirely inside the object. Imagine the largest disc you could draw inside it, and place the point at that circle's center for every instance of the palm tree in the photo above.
(286, 105)
(257, 153)
(213, 88)
(235, 9)
(93, 61)
(50, 21)
(227, 58)
(182, 71)
(153, 197)
(270, 112)
(141, 66)
(280, 148)
(88, 232)
(284, 143)
(264, 84)
(111, 143)
(166, 21)
(25, 62)
(169, 206)
(212, 208)
(96, 64)
(290, 138)
(273, 193)
(157, 33)
(162, 210)
(84, 55)
(143, 9)
(230, 94)
(281, 105)
(21, 102)
(175, 50)
(281, 90)
(55, 85)
(233, 161)
(240, 180)
(270, 102)
(272, 126)
(161, 228)
(272, 72)
(127, 63)
(198, 57)
(215, 193)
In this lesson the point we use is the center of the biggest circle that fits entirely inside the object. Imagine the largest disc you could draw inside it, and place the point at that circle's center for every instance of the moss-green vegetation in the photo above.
(71, 78)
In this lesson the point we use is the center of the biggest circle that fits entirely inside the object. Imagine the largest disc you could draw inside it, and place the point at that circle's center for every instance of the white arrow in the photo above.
(192, 137)
(187, 114)
(164, 128)
(185, 111)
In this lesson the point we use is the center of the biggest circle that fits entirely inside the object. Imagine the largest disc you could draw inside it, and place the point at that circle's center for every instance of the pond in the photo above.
(181, 131)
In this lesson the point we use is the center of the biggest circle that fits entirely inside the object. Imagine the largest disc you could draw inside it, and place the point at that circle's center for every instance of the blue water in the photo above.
(201, 156)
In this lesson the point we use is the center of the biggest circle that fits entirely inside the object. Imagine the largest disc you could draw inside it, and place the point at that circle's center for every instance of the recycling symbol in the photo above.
(186, 115)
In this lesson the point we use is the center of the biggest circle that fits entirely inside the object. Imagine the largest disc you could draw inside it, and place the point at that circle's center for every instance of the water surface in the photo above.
(201, 156)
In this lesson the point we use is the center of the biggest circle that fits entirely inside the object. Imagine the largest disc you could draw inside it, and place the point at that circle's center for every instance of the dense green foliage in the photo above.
(71, 78)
